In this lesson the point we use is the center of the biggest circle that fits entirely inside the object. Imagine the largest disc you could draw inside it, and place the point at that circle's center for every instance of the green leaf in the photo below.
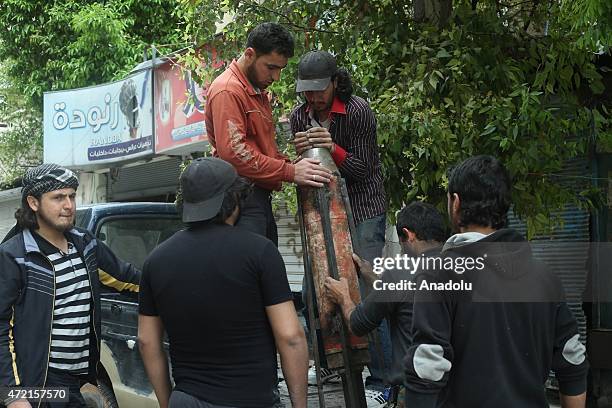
(488, 130)
(566, 73)
(597, 87)
(424, 184)
(433, 81)
(443, 54)
(542, 218)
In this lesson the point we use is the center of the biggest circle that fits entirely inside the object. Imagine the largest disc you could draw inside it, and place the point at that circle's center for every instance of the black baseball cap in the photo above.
(203, 186)
(315, 70)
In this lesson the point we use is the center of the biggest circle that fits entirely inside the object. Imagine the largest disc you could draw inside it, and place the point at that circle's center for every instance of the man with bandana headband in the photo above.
(50, 291)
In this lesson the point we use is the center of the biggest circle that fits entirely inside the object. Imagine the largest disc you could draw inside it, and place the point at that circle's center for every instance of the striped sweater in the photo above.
(72, 309)
(71, 314)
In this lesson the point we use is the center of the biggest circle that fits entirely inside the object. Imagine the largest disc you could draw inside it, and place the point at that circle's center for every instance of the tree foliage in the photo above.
(517, 79)
(18, 147)
(48, 45)
(74, 43)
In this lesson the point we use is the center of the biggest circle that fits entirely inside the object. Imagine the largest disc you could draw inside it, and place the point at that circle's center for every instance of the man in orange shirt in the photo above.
(241, 128)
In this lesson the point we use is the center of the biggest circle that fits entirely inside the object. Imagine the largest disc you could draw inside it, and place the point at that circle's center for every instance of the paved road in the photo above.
(332, 393)
(333, 396)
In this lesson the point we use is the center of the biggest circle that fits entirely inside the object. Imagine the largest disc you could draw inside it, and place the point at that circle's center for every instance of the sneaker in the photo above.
(327, 376)
(375, 399)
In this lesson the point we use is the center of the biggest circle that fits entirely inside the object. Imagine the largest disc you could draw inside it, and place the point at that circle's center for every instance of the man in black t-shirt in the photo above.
(221, 293)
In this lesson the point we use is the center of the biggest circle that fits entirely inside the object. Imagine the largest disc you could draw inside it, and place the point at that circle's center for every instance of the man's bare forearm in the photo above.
(156, 366)
(294, 362)
(347, 306)
(573, 401)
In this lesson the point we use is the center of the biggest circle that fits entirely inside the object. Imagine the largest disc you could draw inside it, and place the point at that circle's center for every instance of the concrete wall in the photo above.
(10, 200)
(92, 188)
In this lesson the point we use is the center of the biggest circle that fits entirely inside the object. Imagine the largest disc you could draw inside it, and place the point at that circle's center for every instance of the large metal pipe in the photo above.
(323, 207)
(310, 307)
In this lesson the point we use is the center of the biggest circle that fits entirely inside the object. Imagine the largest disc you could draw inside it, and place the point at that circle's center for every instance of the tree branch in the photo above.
(290, 22)
(498, 9)
(531, 14)
(418, 7)
(508, 5)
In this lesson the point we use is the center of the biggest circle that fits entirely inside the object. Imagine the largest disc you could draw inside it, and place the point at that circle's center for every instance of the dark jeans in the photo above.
(371, 237)
(59, 378)
(256, 215)
(180, 399)
(370, 244)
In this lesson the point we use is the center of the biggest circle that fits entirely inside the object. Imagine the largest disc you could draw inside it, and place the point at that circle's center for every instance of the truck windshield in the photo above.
(132, 239)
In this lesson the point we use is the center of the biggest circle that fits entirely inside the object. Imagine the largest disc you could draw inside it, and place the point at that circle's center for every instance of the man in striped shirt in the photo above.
(335, 119)
(71, 314)
(49, 292)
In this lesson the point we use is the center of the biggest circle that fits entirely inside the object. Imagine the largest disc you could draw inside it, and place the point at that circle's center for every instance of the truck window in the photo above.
(82, 217)
(133, 238)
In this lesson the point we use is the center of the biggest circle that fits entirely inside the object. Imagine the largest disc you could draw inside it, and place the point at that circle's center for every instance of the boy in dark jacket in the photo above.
(490, 321)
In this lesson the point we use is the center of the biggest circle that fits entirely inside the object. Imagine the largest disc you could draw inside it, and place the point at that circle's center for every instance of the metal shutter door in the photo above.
(145, 180)
(566, 249)
(290, 246)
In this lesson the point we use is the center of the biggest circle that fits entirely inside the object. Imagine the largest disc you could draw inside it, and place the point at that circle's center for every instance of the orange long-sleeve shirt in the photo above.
(241, 130)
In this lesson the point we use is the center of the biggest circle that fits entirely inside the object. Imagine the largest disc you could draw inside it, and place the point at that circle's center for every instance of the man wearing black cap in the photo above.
(49, 291)
(221, 294)
(335, 119)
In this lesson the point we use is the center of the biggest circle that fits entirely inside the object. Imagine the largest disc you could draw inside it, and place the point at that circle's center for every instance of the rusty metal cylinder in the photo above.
(317, 246)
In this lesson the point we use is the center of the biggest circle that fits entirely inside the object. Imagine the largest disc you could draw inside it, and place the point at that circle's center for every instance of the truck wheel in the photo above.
(101, 396)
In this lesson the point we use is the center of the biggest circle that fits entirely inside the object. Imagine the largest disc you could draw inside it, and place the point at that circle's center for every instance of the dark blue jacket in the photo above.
(27, 298)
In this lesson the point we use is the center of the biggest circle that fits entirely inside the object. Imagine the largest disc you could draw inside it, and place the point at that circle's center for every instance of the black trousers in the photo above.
(59, 378)
(179, 399)
(256, 215)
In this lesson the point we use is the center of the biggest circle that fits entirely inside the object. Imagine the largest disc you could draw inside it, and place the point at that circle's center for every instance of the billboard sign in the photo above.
(100, 124)
(179, 109)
